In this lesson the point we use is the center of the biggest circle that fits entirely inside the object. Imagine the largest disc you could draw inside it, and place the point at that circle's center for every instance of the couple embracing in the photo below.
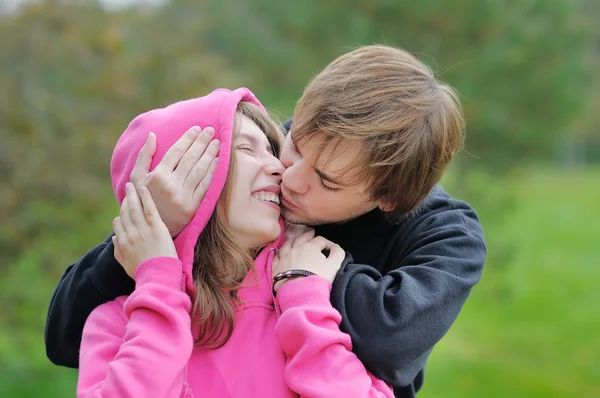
(315, 260)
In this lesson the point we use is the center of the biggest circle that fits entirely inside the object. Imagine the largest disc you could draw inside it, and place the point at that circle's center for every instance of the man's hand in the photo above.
(180, 181)
(140, 234)
(302, 250)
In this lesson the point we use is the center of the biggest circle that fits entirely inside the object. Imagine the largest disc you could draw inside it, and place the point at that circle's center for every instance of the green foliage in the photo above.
(73, 77)
(518, 65)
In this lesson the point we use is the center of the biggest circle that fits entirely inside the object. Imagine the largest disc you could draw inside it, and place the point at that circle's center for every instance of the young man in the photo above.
(371, 137)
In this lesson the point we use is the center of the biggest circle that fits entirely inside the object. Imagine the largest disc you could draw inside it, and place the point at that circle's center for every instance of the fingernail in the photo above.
(209, 131)
(196, 130)
(216, 143)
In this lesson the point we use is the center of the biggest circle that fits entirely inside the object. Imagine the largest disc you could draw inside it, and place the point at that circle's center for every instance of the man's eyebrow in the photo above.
(329, 179)
(319, 172)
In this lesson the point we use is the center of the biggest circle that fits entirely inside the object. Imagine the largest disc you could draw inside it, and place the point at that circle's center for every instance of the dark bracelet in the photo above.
(293, 273)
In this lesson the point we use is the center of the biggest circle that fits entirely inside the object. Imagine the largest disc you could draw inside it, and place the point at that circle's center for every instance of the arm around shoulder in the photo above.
(93, 280)
(395, 317)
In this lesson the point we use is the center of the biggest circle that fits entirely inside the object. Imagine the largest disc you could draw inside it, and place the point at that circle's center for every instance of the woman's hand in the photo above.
(302, 250)
(140, 234)
(180, 181)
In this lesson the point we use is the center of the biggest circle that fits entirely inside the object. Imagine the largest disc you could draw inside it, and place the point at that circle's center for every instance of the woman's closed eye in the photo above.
(246, 148)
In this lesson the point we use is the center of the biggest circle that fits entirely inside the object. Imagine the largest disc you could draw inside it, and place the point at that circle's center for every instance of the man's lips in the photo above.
(286, 201)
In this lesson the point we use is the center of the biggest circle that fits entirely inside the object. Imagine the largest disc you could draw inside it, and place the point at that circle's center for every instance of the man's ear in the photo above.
(385, 206)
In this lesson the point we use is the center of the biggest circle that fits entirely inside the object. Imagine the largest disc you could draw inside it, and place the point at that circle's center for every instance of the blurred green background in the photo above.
(74, 73)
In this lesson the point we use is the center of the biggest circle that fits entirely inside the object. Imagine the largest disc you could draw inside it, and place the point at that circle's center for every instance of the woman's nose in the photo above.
(275, 168)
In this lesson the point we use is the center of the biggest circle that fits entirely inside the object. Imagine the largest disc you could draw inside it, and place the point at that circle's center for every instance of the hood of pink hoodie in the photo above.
(216, 110)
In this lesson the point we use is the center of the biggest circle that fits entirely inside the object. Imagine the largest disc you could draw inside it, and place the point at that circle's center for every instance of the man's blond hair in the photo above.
(409, 124)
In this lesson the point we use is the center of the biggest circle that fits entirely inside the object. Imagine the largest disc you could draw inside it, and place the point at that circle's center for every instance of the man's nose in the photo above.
(294, 179)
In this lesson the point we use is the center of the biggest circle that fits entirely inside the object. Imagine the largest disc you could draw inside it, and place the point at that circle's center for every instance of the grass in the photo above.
(532, 326)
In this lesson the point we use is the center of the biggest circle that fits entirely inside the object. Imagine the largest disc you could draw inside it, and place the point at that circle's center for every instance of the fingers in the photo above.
(199, 170)
(144, 160)
(150, 210)
(287, 245)
(117, 252)
(124, 217)
(197, 153)
(118, 228)
(202, 187)
(336, 254)
(321, 243)
(292, 233)
(305, 237)
(134, 207)
(295, 229)
(176, 152)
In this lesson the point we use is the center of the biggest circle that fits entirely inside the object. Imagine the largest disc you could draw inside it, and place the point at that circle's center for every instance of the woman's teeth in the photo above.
(266, 196)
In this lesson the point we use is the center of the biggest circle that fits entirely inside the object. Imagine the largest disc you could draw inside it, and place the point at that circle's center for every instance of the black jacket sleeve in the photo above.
(95, 279)
(395, 317)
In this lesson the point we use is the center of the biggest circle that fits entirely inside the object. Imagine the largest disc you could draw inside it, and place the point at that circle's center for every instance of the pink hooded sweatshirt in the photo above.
(142, 345)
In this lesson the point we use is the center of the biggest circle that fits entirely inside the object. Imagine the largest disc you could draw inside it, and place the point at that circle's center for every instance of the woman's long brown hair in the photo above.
(220, 262)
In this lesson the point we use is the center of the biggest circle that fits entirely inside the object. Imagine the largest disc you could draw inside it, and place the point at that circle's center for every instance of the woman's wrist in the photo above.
(311, 292)
(278, 285)
(283, 277)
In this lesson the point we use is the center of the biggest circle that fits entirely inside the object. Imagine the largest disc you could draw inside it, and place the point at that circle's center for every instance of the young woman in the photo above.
(203, 320)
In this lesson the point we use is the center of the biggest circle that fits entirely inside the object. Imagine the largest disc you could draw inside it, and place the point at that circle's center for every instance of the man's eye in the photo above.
(330, 189)
(246, 148)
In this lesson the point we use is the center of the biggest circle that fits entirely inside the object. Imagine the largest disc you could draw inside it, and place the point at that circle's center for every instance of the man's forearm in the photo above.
(95, 279)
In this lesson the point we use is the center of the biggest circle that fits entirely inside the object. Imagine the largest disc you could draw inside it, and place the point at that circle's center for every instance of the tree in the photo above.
(519, 66)
(73, 77)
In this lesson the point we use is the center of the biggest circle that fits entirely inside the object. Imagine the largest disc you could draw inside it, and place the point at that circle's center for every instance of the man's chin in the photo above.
(293, 218)
(290, 216)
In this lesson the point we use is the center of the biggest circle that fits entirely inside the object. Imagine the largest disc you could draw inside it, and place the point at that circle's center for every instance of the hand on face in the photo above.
(302, 250)
(140, 234)
(180, 181)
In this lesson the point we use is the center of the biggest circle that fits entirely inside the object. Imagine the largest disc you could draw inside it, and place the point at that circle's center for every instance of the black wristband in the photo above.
(293, 273)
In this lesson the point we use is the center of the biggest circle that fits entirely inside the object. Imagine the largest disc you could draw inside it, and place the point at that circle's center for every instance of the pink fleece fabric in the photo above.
(142, 345)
